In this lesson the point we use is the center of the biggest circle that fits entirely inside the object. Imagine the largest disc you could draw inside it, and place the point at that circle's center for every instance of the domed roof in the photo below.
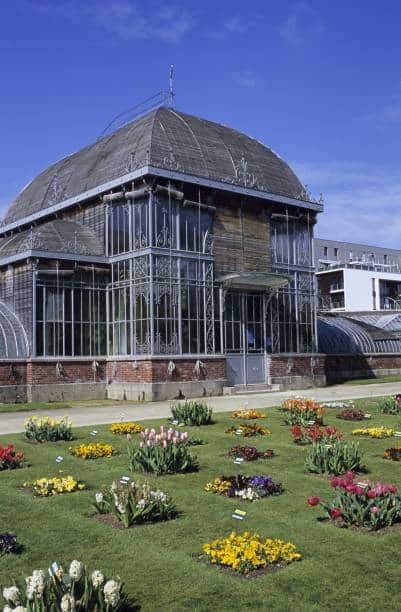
(165, 139)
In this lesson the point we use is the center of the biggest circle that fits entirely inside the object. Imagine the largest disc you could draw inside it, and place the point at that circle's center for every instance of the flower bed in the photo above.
(9, 459)
(247, 488)
(374, 432)
(362, 504)
(351, 414)
(45, 487)
(9, 544)
(334, 458)
(247, 414)
(48, 430)
(302, 411)
(248, 552)
(314, 433)
(126, 428)
(390, 405)
(393, 453)
(192, 412)
(250, 453)
(74, 591)
(92, 451)
(132, 504)
(165, 452)
(248, 430)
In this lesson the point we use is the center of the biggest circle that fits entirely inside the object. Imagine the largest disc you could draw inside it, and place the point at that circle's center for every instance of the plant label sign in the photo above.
(397, 434)
(311, 422)
(174, 422)
(125, 480)
(53, 569)
(364, 485)
(238, 432)
(94, 432)
(59, 459)
(239, 515)
(367, 416)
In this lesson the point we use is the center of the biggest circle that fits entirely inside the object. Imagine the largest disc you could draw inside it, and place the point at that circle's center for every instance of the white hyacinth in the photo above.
(111, 592)
(67, 603)
(11, 594)
(76, 569)
(20, 609)
(99, 497)
(97, 578)
(35, 584)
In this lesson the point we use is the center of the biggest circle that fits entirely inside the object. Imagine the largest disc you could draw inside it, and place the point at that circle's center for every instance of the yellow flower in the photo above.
(54, 486)
(92, 451)
(248, 414)
(374, 432)
(125, 428)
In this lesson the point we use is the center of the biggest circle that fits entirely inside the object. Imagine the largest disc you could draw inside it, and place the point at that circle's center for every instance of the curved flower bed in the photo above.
(248, 430)
(247, 552)
(362, 504)
(374, 432)
(128, 427)
(9, 458)
(247, 414)
(250, 453)
(302, 411)
(248, 488)
(351, 414)
(393, 453)
(92, 451)
(314, 433)
(75, 590)
(48, 430)
(45, 487)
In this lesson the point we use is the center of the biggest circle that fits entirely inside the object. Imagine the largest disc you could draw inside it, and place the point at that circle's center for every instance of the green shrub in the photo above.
(192, 412)
(165, 452)
(390, 405)
(133, 504)
(334, 458)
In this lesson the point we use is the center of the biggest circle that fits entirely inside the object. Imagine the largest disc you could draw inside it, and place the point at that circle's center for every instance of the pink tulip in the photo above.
(129, 437)
(371, 494)
(140, 444)
(359, 490)
(164, 444)
(374, 510)
(392, 488)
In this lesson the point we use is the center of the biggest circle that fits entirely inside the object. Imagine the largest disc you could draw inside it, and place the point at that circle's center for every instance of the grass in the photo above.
(28, 406)
(374, 381)
(340, 570)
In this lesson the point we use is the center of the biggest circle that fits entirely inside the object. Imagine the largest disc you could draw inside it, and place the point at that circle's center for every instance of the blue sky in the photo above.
(317, 81)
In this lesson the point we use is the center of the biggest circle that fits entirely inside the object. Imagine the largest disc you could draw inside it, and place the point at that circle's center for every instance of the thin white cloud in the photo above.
(302, 23)
(125, 19)
(362, 203)
(245, 78)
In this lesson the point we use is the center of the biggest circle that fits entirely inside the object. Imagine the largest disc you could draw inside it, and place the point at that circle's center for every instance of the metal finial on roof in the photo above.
(171, 86)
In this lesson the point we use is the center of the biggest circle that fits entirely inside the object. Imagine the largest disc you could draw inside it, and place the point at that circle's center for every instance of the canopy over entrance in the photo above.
(254, 281)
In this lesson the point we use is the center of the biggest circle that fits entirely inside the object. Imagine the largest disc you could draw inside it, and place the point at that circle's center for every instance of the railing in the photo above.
(389, 303)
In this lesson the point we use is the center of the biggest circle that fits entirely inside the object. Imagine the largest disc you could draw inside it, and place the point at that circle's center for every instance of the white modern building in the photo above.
(354, 278)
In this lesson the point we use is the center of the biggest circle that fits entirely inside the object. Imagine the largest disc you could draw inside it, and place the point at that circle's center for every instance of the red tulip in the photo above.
(392, 488)
(313, 501)
(371, 494)
(335, 482)
(359, 490)
(335, 513)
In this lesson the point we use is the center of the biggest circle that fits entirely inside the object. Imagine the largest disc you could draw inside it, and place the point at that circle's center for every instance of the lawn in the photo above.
(340, 569)
(30, 406)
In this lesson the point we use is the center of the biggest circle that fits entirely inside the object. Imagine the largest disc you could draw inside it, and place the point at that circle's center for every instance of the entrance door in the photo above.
(244, 338)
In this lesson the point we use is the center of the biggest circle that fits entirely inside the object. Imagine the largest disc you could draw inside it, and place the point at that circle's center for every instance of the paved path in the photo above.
(96, 415)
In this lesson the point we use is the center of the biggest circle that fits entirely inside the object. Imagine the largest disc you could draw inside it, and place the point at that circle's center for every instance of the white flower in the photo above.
(35, 584)
(120, 508)
(7, 609)
(76, 569)
(11, 594)
(20, 609)
(141, 504)
(97, 578)
(67, 603)
(99, 497)
(111, 592)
